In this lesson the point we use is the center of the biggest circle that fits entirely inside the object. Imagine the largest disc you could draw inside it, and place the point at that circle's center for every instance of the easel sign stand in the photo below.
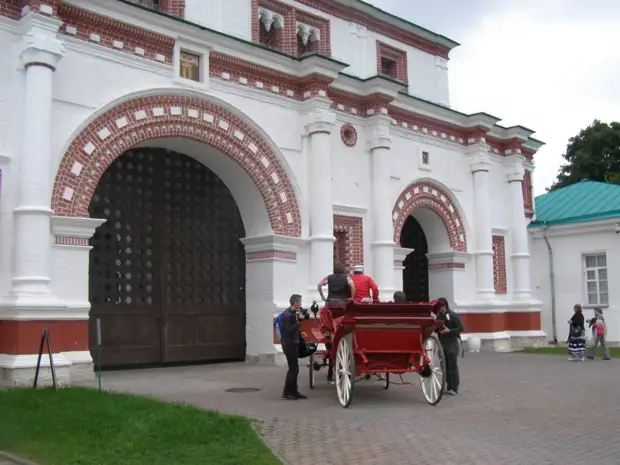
(45, 337)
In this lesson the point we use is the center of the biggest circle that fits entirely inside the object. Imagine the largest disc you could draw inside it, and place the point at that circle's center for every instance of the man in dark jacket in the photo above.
(290, 346)
(449, 337)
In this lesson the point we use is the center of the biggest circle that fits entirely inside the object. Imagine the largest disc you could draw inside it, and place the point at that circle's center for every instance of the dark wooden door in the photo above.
(415, 273)
(167, 269)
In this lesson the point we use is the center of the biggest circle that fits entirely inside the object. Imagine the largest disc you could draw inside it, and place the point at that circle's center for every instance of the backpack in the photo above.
(277, 326)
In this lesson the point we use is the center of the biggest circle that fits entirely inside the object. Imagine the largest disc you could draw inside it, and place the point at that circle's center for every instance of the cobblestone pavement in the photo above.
(512, 409)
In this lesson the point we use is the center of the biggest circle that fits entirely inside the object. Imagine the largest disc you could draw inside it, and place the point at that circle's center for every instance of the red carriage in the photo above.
(382, 339)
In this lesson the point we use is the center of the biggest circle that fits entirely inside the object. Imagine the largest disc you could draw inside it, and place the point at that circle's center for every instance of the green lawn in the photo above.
(562, 350)
(82, 427)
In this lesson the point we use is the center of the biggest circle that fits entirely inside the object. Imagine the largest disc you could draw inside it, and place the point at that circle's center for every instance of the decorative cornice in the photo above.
(572, 229)
(67, 226)
(457, 258)
(400, 253)
(349, 210)
(273, 243)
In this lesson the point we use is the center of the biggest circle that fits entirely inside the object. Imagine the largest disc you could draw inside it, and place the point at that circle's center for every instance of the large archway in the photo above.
(154, 117)
(167, 268)
(211, 137)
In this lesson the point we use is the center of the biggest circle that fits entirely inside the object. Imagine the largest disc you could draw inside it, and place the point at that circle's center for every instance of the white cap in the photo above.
(358, 268)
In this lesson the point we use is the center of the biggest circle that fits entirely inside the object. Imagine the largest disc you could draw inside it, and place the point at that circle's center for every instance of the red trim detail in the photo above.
(445, 266)
(528, 202)
(271, 254)
(24, 337)
(183, 117)
(348, 134)
(414, 196)
(399, 57)
(499, 265)
(349, 245)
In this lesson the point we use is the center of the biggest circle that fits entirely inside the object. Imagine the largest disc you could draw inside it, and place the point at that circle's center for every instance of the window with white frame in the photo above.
(597, 292)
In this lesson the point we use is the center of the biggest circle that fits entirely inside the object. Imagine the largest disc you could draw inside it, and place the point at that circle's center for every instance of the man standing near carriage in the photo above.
(449, 336)
(290, 340)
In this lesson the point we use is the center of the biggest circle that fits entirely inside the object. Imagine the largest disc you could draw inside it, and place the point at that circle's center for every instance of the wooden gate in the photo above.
(415, 273)
(167, 269)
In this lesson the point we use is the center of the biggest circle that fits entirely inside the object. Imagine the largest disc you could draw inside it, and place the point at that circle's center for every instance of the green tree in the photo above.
(592, 154)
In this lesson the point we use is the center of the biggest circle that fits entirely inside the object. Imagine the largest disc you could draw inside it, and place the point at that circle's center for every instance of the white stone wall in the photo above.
(569, 243)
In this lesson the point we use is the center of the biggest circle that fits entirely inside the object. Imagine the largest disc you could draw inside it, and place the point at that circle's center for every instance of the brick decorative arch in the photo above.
(427, 195)
(157, 117)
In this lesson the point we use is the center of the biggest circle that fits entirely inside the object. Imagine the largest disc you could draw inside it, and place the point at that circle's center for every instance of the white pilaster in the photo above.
(271, 278)
(480, 166)
(41, 52)
(400, 254)
(320, 121)
(379, 143)
(520, 257)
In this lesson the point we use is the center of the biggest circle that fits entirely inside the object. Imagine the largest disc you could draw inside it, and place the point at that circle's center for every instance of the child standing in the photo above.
(598, 328)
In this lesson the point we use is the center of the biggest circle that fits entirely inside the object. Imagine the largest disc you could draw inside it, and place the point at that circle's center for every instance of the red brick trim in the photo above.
(70, 240)
(499, 265)
(348, 134)
(396, 55)
(528, 202)
(35, 5)
(268, 255)
(349, 233)
(446, 266)
(39, 63)
(148, 118)
(11, 8)
(427, 195)
(226, 67)
(151, 46)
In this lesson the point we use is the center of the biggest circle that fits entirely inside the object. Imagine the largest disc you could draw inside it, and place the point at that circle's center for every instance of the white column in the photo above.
(520, 257)
(320, 121)
(479, 167)
(41, 52)
(380, 142)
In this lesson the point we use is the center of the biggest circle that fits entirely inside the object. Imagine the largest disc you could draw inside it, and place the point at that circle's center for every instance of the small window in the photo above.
(190, 66)
(596, 284)
(389, 67)
(425, 158)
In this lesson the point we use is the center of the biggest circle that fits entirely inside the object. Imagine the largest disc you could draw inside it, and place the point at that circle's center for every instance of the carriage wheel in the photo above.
(311, 377)
(386, 381)
(433, 380)
(345, 370)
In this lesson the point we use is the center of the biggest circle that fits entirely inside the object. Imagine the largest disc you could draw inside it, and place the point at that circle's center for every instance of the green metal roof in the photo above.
(583, 201)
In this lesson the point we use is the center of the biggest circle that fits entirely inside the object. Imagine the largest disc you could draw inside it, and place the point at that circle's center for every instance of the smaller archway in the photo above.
(429, 229)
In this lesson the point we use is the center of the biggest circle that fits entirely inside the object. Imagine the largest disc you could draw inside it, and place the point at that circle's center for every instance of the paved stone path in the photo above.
(512, 409)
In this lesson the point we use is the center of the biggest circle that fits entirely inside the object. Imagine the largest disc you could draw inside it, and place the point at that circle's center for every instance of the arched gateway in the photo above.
(427, 224)
(167, 269)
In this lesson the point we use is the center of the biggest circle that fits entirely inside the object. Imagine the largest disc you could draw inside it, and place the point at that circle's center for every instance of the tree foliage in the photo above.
(592, 154)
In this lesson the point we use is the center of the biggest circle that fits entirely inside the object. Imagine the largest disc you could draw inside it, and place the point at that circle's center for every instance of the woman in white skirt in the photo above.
(577, 335)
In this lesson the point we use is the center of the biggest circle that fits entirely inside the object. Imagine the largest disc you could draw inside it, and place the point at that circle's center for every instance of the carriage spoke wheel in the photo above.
(345, 370)
(433, 380)
(311, 370)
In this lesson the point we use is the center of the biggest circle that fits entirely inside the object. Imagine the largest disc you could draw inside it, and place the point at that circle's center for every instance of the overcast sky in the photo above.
(549, 65)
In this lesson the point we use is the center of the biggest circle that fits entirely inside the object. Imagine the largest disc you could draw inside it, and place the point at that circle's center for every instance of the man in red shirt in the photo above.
(365, 288)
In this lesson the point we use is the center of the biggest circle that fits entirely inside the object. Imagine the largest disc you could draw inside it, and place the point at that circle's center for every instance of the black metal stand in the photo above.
(45, 337)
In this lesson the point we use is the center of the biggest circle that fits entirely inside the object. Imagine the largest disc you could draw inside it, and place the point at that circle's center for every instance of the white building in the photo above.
(575, 244)
(177, 174)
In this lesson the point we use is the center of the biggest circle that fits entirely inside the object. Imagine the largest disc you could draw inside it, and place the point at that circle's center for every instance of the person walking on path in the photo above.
(290, 346)
(599, 329)
(449, 337)
(577, 335)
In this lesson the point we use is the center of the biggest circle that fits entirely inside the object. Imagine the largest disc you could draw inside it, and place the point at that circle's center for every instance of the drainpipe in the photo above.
(552, 280)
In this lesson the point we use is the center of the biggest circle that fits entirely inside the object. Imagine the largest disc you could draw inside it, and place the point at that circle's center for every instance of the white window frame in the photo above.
(596, 270)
